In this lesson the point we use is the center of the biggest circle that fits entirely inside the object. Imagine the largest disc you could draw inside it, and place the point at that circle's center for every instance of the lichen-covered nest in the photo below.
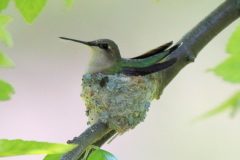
(120, 101)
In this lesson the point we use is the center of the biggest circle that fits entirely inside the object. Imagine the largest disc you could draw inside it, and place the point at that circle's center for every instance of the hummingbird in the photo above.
(108, 60)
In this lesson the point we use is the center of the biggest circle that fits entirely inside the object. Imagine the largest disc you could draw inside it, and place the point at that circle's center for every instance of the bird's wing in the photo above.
(152, 52)
(148, 70)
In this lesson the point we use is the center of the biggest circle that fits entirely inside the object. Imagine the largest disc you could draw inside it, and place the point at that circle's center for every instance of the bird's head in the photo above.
(106, 53)
(101, 46)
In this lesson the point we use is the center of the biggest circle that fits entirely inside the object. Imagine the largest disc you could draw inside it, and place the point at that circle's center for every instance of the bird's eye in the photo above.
(104, 46)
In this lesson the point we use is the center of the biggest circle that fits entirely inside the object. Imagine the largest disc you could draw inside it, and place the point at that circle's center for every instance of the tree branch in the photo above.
(193, 42)
(200, 35)
(92, 135)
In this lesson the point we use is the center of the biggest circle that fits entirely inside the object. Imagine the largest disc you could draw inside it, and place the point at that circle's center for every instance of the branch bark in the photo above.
(200, 35)
(92, 135)
(193, 42)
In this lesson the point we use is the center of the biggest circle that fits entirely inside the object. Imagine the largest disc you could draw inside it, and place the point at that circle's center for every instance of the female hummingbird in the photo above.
(107, 58)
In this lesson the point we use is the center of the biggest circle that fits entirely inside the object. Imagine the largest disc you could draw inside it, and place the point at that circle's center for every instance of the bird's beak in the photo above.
(79, 41)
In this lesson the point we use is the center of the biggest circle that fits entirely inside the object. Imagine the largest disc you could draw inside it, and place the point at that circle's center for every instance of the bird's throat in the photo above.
(100, 63)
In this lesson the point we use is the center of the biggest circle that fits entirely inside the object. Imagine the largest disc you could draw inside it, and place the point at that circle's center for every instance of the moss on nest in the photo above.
(120, 101)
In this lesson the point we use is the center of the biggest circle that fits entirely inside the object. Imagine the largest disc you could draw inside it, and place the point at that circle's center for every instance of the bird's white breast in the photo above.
(99, 61)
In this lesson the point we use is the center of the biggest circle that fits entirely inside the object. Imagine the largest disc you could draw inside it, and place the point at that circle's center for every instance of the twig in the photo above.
(90, 136)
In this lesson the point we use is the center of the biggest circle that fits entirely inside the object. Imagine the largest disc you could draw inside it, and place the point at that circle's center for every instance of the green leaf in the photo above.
(229, 70)
(22, 147)
(69, 3)
(53, 157)
(3, 4)
(5, 36)
(232, 104)
(233, 46)
(5, 61)
(4, 20)
(30, 9)
(100, 154)
(6, 91)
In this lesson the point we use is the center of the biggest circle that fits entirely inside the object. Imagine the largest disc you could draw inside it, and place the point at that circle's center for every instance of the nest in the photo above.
(118, 100)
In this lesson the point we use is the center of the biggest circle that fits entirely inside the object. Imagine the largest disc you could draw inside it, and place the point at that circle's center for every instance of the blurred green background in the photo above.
(47, 79)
